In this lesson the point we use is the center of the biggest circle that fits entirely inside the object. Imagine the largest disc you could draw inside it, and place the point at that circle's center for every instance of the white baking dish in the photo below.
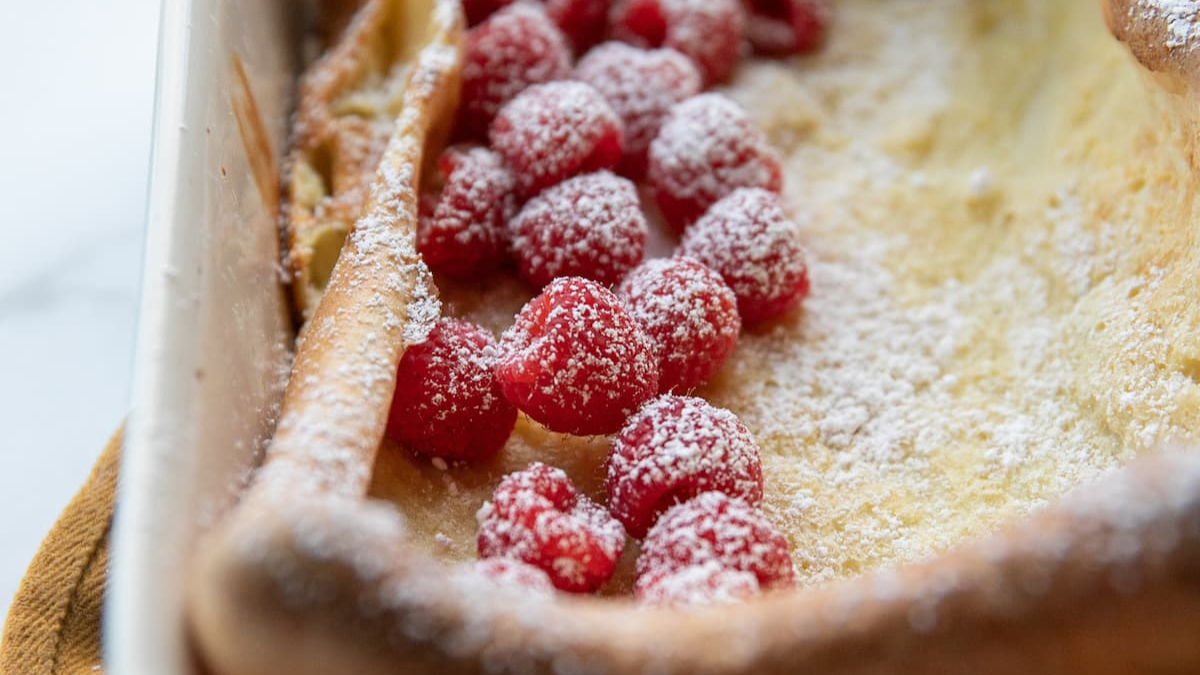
(212, 358)
(214, 335)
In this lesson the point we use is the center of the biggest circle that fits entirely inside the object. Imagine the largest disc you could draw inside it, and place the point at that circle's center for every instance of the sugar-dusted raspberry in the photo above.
(588, 226)
(704, 584)
(576, 361)
(513, 49)
(781, 27)
(514, 574)
(553, 131)
(715, 529)
(447, 401)
(673, 449)
(538, 517)
(707, 148)
(749, 240)
(465, 234)
(709, 32)
(641, 86)
(690, 315)
(584, 22)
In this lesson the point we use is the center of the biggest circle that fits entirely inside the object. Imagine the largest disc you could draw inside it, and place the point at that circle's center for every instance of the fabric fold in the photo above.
(53, 626)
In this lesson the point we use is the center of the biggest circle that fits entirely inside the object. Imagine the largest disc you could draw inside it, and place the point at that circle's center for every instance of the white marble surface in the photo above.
(77, 83)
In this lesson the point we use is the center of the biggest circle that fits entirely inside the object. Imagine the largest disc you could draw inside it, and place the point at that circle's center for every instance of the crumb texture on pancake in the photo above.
(1002, 233)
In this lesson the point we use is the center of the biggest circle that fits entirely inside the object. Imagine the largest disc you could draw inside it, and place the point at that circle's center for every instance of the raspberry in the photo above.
(706, 149)
(709, 32)
(514, 574)
(538, 517)
(690, 315)
(576, 361)
(714, 530)
(479, 10)
(704, 584)
(447, 402)
(588, 226)
(751, 243)
(584, 22)
(551, 132)
(465, 234)
(515, 48)
(782, 27)
(674, 449)
(641, 86)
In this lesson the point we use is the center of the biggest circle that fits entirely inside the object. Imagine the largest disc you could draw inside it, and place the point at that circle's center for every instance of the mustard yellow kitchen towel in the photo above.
(53, 627)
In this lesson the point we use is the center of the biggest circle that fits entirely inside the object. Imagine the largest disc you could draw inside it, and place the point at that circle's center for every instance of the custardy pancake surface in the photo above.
(1003, 259)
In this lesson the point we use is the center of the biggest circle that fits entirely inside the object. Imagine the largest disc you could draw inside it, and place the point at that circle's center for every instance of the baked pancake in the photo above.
(348, 104)
(998, 204)
(997, 210)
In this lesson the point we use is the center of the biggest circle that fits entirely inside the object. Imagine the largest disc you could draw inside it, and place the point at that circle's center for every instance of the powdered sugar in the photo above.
(946, 374)
(324, 530)
(1180, 16)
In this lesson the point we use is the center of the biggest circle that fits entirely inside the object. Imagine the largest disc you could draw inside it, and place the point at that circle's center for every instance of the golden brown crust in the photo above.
(1095, 584)
(380, 295)
(348, 102)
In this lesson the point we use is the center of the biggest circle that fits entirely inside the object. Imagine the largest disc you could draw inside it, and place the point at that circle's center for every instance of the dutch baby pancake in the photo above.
(962, 437)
